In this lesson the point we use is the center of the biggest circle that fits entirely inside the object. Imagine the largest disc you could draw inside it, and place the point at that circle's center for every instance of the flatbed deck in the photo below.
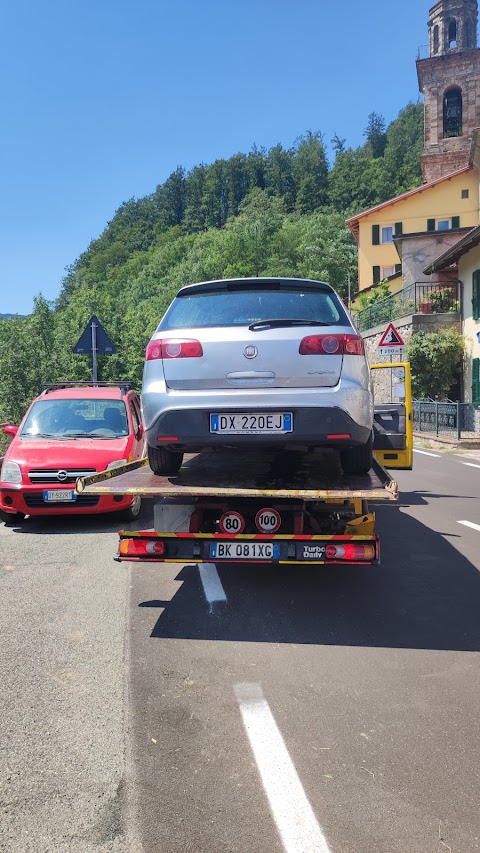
(314, 476)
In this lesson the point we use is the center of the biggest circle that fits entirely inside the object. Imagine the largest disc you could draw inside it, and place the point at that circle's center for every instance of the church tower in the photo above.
(449, 80)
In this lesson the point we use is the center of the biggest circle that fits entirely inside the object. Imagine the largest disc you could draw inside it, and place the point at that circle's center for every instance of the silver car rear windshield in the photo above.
(241, 308)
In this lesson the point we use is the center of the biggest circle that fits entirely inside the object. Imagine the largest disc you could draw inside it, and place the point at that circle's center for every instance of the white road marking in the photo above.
(426, 453)
(296, 823)
(470, 524)
(471, 464)
(212, 585)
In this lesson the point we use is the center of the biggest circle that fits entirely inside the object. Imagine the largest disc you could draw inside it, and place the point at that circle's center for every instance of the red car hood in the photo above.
(79, 453)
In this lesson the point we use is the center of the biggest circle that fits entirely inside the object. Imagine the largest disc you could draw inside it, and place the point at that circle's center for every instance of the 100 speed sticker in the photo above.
(268, 520)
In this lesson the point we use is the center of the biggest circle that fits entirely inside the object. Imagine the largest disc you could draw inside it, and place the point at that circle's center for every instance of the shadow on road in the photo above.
(108, 522)
(425, 595)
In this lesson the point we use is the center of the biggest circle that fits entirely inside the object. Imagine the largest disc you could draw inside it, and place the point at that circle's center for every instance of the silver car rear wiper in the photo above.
(277, 324)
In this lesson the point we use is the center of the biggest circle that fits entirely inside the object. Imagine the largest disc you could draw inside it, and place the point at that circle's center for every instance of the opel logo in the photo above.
(62, 476)
(250, 352)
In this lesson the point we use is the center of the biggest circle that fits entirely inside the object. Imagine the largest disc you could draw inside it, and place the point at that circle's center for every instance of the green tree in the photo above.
(171, 198)
(28, 359)
(402, 157)
(195, 214)
(329, 252)
(249, 237)
(436, 362)
(375, 135)
(310, 170)
(279, 178)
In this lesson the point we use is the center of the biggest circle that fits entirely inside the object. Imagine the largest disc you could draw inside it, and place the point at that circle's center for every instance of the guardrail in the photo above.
(449, 419)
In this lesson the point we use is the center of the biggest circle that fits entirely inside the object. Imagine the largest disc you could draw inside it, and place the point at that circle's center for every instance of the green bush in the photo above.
(436, 362)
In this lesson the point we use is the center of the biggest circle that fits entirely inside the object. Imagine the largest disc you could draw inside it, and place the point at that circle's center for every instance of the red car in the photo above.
(71, 430)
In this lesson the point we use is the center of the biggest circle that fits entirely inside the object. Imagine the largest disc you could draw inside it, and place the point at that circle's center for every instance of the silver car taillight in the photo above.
(173, 348)
(332, 345)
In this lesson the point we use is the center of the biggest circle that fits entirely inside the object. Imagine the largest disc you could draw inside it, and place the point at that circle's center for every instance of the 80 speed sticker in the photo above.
(232, 522)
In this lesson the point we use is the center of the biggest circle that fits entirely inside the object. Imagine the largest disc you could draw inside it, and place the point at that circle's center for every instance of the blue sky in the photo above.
(103, 99)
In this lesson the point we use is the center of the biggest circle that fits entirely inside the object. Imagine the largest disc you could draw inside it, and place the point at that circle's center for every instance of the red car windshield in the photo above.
(76, 418)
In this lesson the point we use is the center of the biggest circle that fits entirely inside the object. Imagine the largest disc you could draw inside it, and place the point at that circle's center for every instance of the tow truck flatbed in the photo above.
(314, 476)
(252, 507)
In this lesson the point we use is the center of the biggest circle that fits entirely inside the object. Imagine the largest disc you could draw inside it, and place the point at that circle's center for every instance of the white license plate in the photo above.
(244, 551)
(59, 495)
(251, 423)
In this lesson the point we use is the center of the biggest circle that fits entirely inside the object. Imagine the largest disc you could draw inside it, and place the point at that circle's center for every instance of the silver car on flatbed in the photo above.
(273, 362)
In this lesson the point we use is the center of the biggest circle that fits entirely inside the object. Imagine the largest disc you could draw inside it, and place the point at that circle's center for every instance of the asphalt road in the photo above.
(167, 710)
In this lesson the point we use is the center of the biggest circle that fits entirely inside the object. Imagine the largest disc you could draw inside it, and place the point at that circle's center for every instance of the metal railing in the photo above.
(446, 418)
(423, 51)
(418, 298)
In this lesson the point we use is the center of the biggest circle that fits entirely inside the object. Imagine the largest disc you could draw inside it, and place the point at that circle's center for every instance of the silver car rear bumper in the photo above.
(317, 416)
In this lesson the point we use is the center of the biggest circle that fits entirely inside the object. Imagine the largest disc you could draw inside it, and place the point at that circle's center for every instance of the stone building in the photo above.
(449, 80)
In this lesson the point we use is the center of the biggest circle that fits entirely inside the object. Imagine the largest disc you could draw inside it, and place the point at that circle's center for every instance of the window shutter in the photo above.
(476, 295)
(376, 275)
(430, 225)
(375, 235)
(398, 267)
(476, 380)
(455, 222)
(398, 229)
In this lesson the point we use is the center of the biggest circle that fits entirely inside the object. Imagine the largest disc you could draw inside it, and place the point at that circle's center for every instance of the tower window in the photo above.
(435, 39)
(452, 33)
(468, 34)
(452, 113)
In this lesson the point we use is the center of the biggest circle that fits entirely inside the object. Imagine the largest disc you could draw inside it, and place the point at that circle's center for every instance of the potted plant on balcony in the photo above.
(442, 300)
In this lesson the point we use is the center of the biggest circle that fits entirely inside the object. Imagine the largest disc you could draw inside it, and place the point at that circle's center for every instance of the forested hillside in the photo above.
(276, 212)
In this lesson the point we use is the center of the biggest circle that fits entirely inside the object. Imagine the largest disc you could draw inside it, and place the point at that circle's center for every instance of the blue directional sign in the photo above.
(94, 339)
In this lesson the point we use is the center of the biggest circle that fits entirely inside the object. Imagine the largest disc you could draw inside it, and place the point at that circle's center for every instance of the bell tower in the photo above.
(449, 80)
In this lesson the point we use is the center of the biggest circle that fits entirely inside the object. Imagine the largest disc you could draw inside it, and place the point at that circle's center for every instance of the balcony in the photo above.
(418, 298)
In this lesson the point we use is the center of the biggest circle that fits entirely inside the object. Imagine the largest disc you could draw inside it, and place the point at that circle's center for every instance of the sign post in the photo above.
(391, 343)
(94, 339)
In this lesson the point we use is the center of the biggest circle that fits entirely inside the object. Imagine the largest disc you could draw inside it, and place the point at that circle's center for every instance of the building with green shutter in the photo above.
(399, 238)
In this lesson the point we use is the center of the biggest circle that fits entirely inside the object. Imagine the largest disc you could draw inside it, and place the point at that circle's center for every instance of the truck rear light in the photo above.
(350, 551)
(138, 548)
(173, 348)
(155, 548)
(348, 344)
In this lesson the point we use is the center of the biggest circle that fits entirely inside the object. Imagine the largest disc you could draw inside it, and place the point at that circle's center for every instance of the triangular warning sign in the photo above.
(391, 337)
(103, 344)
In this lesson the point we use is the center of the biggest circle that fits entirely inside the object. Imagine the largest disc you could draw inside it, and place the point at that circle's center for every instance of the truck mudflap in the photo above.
(148, 546)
